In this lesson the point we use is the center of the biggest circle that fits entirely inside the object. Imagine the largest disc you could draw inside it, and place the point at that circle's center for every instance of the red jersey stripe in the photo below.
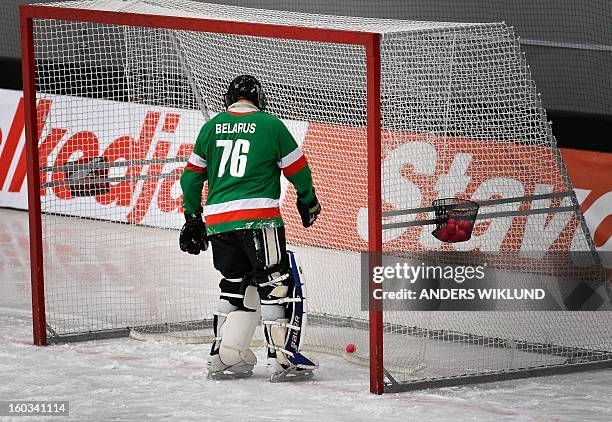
(293, 168)
(224, 217)
(193, 167)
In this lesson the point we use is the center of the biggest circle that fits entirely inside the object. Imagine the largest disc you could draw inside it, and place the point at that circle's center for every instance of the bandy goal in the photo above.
(392, 115)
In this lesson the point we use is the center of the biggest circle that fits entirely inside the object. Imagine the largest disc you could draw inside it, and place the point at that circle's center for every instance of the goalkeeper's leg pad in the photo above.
(283, 308)
(234, 330)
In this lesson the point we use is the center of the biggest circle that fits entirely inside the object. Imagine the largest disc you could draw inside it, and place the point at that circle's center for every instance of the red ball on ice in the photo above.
(350, 348)
(465, 225)
(450, 228)
(443, 235)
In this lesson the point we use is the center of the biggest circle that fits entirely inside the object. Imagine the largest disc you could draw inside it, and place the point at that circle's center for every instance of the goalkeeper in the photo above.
(241, 153)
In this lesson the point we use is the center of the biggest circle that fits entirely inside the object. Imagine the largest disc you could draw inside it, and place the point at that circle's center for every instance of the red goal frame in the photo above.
(369, 40)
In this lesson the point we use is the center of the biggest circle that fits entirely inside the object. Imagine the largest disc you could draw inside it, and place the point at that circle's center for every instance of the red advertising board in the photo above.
(339, 173)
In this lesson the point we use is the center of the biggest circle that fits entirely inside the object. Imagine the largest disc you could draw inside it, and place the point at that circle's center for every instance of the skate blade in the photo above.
(226, 375)
(292, 375)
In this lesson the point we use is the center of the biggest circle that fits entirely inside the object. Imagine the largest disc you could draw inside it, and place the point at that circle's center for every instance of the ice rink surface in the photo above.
(125, 379)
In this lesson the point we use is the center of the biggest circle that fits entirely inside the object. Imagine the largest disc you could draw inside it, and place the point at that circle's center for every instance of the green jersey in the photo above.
(241, 153)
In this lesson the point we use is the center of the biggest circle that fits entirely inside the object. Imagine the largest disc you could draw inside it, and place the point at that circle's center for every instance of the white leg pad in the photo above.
(238, 330)
(279, 335)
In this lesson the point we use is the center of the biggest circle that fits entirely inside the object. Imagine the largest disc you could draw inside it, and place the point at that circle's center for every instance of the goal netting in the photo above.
(119, 108)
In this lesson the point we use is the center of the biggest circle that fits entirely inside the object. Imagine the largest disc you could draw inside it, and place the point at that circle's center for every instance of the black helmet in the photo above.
(247, 87)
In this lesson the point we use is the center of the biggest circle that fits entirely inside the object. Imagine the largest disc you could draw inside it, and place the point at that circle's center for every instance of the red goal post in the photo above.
(371, 43)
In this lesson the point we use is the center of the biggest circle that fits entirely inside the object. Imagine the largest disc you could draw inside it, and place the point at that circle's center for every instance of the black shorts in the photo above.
(239, 252)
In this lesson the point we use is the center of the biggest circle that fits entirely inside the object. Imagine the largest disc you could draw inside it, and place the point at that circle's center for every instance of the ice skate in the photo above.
(220, 371)
(291, 373)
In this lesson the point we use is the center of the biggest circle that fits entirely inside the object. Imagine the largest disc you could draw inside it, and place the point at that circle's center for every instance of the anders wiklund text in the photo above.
(483, 294)
(461, 294)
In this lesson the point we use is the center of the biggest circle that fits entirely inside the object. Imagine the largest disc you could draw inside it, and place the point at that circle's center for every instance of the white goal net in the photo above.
(460, 118)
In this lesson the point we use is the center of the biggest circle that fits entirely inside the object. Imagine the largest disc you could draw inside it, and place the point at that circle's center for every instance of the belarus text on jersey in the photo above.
(235, 128)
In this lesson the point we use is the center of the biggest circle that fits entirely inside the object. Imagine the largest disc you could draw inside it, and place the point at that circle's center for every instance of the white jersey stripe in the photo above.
(290, 158)
(196, 160)
(240, 204)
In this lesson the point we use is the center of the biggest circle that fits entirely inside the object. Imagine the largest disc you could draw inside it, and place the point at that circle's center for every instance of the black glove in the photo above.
(309, 212)
(193, 237)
